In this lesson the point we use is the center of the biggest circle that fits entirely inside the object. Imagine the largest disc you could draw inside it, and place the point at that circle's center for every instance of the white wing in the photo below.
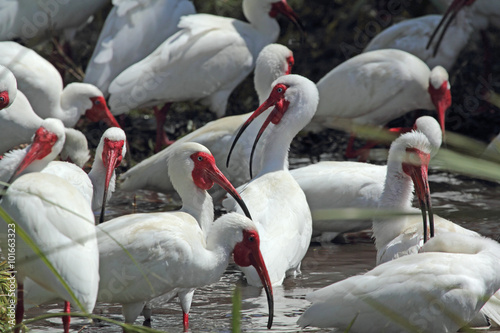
(133, 29)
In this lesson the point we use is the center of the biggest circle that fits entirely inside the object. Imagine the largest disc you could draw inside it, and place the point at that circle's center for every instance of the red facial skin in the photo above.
(441, 98)
(416, 167)
(112, 158)
(290, 61)
(4, 99)
(41, 147)
(276, 99)
(247, 253)
(99, 111)
(283, 8)
(205, 173)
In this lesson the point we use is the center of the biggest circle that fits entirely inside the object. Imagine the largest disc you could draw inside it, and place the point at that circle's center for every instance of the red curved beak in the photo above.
(284, 8)
(441, 98)
(41, 147)
(218, 177)
(258, 263)
(111, 157)
(100, 111)
(280, 107)
(419, 174)
(247, 253)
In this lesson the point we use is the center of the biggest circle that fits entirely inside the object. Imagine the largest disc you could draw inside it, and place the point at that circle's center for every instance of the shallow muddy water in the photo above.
(472, 203)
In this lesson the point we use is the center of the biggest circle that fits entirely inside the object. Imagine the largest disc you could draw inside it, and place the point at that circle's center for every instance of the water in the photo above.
(471, 203)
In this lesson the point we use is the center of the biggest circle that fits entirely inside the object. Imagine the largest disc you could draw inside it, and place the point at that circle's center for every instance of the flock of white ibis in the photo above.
(156, 52)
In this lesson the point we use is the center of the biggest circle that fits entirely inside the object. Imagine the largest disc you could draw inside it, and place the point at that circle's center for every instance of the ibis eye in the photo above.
(2, 99)
(97, 102)
(279, 90)
(200, 158)
(251, 238)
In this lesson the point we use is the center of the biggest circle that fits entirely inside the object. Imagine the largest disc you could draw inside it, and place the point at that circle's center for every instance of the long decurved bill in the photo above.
(100, 111)
(111, 157)
(448, 17)
(280, 107)
(258, 263)
(284, 8)
(418, 171)
(218, 177)
(43, 142)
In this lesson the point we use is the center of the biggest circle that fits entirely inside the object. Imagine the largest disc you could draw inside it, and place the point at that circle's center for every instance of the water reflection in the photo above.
(471, 203)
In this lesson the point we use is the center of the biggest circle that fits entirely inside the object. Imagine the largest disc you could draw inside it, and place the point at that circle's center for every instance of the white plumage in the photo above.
(439, 290)
(60, 221)
(132, 30)
(180, 251)
(412, 36)
(333, 184)
(204, 61)
(275, 200)
(378, 86)
(42, 84)
(34, 19)
(273, 61)
(18, 123)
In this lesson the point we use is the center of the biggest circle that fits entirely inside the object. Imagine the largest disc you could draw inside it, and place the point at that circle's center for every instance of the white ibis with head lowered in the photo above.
(60, 222)
(337, 185)
(439, 290)
(190, 250)
(108, 156)
(274, 61)
(42, 84)
(275, 200)
(378, 86)
(132, 30)
(204, 61)
(18, 122)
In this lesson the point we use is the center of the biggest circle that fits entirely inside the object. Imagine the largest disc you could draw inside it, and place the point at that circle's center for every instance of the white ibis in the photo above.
(47, 143)
(407, 167)
(32, 20)
(480, 14)
(332, 184)
(204, 61)
(275, 200)
(94, 189)
(274, 61)
(188, 250)
(439, 290)
(60, 223)
(42, 84)
(18, 122)
(413, 35)
(132, 30)
(108, 156)
(375, 87)
(396, 237)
